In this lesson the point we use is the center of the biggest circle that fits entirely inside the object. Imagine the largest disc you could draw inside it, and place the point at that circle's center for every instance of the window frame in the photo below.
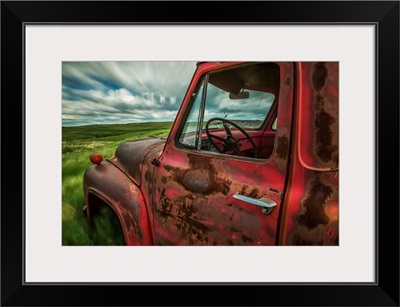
(266, 125)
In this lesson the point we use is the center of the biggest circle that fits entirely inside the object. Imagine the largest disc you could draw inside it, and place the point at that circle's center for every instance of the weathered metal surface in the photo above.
(115, 189)
(318, 119)
(129, 156)
(147, 180)
(193, 191)
(312, 210)
(311, 207)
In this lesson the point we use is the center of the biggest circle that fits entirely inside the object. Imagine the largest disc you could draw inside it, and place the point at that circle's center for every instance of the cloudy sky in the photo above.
(122, 92)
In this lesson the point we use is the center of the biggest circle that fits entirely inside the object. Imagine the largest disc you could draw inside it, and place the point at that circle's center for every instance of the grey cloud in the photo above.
(136, 91)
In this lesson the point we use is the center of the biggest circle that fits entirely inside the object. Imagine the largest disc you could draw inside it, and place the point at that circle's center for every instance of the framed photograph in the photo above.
(200, 160)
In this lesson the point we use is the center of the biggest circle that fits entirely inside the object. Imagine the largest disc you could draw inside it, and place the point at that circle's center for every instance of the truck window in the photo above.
(247, 112)
(230, 109)
(275, 124)
(189, 136)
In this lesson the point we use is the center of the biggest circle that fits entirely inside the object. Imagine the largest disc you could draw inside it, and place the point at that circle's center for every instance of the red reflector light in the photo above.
(96, 158)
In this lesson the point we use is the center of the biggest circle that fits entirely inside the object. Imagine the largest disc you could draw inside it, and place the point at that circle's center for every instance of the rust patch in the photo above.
(130, 223)
(164, 180)
(246, 239)
(282, 147)
(166, 206)
(325, 141)
(197, 181)
(324, 135)
(147, 176)
(319, 101)
(313, 213)
(254, 192)
(201, 177)
(184, 212)
(243, 191)
(319, 76)
(187, 221)
(299, 238)
(287, 81)
(321, 235)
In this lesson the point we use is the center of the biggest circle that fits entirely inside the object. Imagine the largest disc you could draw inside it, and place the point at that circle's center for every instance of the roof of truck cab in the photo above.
(213, 62)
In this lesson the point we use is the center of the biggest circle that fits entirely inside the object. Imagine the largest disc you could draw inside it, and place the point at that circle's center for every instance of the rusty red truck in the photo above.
(252, 158)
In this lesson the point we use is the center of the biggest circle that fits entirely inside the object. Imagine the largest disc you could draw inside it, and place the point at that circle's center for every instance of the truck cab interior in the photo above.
(234, 112)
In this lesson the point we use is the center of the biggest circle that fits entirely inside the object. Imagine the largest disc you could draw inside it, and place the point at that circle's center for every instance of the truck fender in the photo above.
(115, 189)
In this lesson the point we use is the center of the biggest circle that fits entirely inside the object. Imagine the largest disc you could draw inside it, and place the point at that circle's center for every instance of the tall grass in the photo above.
(77, 145)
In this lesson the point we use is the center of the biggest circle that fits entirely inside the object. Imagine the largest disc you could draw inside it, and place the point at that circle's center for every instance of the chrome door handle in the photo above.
(266, 204)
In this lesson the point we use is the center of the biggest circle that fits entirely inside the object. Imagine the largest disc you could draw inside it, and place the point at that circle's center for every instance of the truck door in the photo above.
(221, 177)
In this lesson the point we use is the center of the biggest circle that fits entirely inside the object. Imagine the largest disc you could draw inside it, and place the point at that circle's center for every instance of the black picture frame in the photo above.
(383, 14)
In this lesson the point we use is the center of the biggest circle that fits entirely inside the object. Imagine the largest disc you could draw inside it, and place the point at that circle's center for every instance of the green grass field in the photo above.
(77, 145)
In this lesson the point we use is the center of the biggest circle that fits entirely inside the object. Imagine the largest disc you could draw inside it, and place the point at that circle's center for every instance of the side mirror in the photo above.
(241, 95)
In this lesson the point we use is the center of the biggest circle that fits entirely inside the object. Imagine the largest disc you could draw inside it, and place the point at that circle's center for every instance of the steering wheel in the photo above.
(229, 142)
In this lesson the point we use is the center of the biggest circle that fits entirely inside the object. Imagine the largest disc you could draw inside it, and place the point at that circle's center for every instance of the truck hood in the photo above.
(129, 155)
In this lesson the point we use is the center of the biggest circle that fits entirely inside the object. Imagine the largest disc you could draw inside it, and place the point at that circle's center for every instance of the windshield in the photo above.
(247, 112)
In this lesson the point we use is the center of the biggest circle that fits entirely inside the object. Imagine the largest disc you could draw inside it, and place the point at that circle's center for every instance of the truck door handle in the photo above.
(266, 204)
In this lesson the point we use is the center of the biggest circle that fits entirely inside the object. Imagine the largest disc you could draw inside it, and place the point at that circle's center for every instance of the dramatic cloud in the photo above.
(131, 92)
(123, 92)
